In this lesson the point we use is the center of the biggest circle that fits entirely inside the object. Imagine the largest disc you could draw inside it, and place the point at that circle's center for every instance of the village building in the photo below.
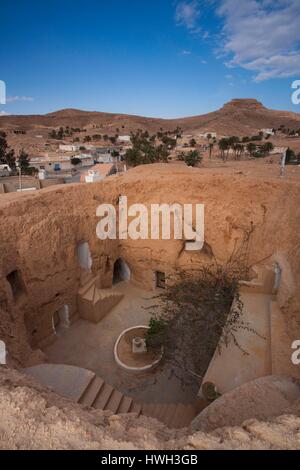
(206, 135)
(124, 138)
(68, 147)
(55, 162)
(5, 170)
(98, 172)
(267, 132)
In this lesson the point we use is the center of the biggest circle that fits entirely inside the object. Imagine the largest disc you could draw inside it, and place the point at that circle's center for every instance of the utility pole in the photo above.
(20, 175)
(282, 164)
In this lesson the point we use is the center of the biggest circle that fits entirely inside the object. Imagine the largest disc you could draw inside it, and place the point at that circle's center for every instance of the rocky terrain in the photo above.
(32, 417)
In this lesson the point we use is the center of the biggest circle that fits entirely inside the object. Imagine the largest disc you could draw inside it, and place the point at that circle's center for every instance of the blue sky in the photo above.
(162, 58)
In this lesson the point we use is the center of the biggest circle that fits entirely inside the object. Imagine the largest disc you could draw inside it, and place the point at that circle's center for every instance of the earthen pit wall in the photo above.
(39, 233)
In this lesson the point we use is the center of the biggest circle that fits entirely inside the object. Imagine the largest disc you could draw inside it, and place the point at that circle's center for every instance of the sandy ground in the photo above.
(91, 346)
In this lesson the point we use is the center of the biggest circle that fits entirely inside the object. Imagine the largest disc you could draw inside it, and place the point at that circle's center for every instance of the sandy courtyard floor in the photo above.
(91, 346)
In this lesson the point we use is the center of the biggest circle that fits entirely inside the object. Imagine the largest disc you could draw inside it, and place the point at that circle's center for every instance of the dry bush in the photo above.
(200, 311)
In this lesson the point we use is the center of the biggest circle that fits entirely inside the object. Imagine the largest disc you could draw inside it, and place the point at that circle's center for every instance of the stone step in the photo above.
(125, 405)
(86, 287)
(183, 416)
(86, 388)
(97, 296)
(135, 408)
(178, 419)
(92, 391)
(161, 411)
(149, 409)
(167, 414)
(103, 397)
(90, 294)
(173, 415)
(114, 401)
(186, 416)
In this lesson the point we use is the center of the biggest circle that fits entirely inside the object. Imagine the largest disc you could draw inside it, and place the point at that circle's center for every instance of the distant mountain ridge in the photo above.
(239, 116)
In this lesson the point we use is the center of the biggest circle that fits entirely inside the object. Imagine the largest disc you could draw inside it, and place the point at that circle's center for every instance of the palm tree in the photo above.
(251, 147)
(193, 158)
(267, 147)
(223, 146)
(238, 150)
(211, 147)
(211, 143)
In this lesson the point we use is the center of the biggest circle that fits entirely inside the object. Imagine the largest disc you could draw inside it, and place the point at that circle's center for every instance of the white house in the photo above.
(93, 176)
(104, 155)
(205, 135)
(268, 131)
(5, 170)
(124, 138)
(42, 174)
(53, 164)
(98, 172)
(106, 158)
(69, 147)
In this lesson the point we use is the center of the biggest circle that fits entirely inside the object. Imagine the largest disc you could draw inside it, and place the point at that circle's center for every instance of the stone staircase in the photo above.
(176, 415)
(100, 395)
(94, 303)
(88, 389)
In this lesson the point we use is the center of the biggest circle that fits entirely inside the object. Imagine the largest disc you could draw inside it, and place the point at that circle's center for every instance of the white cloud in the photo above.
(262, 36)
(277, 66)
(185, 52)
(13, 99)
(187, 14)
(4, 113)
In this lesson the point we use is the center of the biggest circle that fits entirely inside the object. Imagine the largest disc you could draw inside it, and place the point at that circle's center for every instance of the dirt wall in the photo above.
(39, 234)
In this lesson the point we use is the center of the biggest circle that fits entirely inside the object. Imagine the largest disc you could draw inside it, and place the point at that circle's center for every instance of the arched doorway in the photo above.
(16, 283)
(60, 319)
(121, 271)
(160, 280)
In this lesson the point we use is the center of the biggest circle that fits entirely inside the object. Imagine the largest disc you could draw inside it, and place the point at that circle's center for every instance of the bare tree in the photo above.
(200, 310)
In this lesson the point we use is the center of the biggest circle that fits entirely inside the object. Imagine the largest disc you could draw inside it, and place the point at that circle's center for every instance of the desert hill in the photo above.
(239, 116)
